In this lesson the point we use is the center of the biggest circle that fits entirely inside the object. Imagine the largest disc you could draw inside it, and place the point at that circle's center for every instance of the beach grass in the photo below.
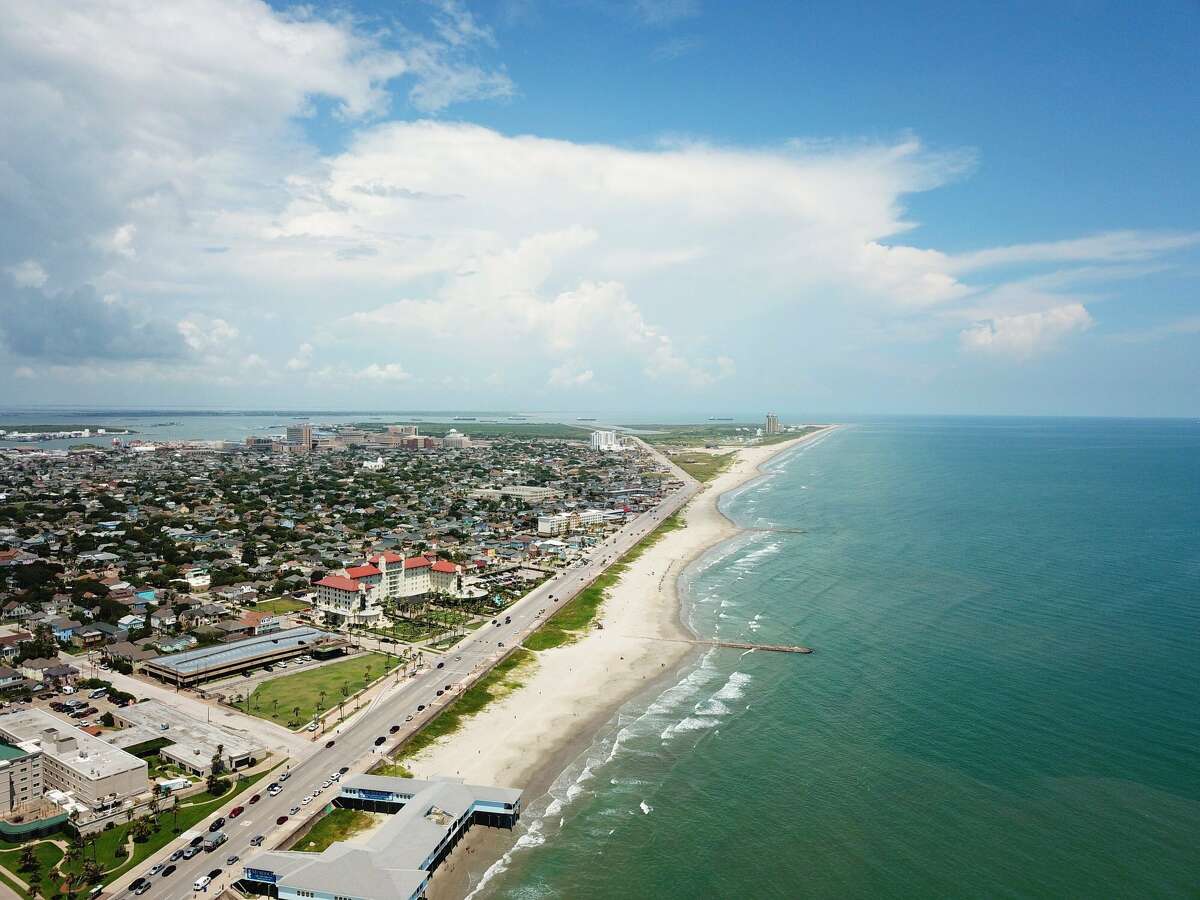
(336, 825)
(504, 678)
(573, 620)
(702, 466)
(316, 691)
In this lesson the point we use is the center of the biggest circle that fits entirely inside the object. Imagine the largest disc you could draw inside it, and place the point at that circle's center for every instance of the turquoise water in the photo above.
(1004, 701)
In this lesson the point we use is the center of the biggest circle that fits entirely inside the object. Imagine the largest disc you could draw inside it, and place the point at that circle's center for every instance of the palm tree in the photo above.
(28, 858)
(35, 883)
(296, 713)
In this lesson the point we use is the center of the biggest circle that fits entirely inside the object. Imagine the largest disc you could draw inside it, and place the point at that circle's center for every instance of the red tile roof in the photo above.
(416, 562)
(442, 566)
(362, 571)
(386, 556)
(339, 582)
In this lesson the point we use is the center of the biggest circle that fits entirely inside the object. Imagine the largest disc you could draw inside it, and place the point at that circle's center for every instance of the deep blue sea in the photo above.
(1004, 700)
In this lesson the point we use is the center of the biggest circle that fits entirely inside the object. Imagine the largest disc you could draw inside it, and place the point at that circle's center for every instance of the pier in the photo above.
(746, 645)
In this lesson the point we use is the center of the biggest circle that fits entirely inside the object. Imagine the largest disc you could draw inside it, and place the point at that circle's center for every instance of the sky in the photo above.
(626, 205)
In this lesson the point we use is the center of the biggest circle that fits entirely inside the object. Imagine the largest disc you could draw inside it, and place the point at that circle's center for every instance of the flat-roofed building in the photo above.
(193, 743)
(20, 778)
(206, 663)
(73, 761)
(428, 818)
(529, 492)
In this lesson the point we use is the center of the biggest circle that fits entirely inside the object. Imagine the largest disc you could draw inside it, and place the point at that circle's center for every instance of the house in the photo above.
(132, 622)
(14, 609)
(176, 644)
(262, 622)
(9, 644)
(64, 629)
(89, 636)
(125, 652)
(164, 619)
(16, 558)
(49, 672)
(10, 679)
(205, 614)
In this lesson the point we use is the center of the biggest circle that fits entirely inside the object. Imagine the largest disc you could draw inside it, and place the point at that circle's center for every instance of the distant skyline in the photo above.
(601, 205)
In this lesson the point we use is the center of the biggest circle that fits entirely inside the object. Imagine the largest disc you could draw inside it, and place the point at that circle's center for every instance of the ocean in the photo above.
(1004, 700)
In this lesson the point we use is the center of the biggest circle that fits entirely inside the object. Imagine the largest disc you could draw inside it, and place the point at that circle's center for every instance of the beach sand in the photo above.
(528, 737)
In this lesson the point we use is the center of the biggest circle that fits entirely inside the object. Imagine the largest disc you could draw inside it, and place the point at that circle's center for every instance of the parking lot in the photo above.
(56, 702)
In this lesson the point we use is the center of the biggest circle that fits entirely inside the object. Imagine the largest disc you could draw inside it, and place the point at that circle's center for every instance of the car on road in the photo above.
(393, 729)
(379, 740)
(201, 883)
(508, 620)
(236, 811)
(500, 644)
(329, 744)
(214, 874)
(230, 860)
(312, 726)
(176, 856)
(154, 870)
(217, 823)
(343, 770)
(197, 841)
(285, 776)
(408, 718)
(293, 810)
(274, 790)
(169, 870)
(255, 799)
(136, 883)
(440, 692)
(257, 840)
(281, 820)
(420, 707)
(441, 665)
(190, 852)
(141, 889)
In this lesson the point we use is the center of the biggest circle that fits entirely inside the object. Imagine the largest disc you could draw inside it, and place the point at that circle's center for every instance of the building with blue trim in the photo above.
(428, 818)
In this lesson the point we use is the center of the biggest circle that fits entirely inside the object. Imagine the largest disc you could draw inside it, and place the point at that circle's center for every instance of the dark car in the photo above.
(169, 870)
(508, 620)
(136, 883)
(420, 707)
(236, 811)
(379, 740)
(217, 823)
(196, 841)
(393, 729)
(214, 874)
(440, 692)
(255, 799)
(281, 820)
(329, 744)
(441, 665)
(343, 770)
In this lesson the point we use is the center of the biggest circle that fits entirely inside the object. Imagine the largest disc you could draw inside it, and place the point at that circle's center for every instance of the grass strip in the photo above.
(703, 466)
(502, 680)
(337, 825)
(570, 622)
(315, 691)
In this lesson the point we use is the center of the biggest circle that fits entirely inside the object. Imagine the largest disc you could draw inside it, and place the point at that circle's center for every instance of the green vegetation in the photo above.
(293, 700)
(106, 850)
(395, 770)
(697, 435)
(280, 606)
(502, 680)
(702, 466)
(336, 825)
(569, 623)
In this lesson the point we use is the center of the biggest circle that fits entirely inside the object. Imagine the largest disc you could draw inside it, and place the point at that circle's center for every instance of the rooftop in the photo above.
(192, 661)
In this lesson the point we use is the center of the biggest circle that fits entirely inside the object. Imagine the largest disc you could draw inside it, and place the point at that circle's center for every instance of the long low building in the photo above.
(206, 663)
(191, 742)
(394, 863)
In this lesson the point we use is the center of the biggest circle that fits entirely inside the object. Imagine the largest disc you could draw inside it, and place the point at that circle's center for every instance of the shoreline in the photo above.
(532, 735)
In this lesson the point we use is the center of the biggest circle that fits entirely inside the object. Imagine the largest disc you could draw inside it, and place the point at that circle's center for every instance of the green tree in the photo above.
(28, 858)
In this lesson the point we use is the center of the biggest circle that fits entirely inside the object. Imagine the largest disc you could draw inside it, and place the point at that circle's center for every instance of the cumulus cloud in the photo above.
(1022, 336)
(74, 326)
(28, 273)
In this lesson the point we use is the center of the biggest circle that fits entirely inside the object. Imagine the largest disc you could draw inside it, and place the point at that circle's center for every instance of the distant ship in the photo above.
(517, 418)
(465, 419)
(720, 418)
(586, 419)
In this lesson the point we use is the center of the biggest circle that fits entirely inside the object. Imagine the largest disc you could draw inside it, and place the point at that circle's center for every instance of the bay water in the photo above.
(1004, 700)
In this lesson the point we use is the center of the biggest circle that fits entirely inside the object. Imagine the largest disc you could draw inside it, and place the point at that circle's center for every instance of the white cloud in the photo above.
(1022, 336)
(569, 375)
(384, 372)
(28, 273)
(1109, 247)
(303, 358)
(206, 335)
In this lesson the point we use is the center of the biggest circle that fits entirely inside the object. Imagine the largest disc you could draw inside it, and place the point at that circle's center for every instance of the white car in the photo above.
(201, 883)
(275, 791)
(307, 800)
(312, 726)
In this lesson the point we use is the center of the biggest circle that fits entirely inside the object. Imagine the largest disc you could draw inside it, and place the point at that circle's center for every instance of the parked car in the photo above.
(379, 740)
(190, 852)
(254, 799)
(393, 729)
(257, 840)
(294, 810)
(441, 665)
(169, 870)
(176, 856)
(154, 870)
(281, 820)
(197, 841)
(230, 860)
(217, 823)
(329, 744)
(236, 811)
(143, 889)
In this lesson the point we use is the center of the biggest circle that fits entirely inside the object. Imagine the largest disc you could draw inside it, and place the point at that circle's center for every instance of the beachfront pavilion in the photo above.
(428, 818)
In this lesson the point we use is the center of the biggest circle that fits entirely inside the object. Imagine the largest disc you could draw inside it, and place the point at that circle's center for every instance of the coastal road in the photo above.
(354, 742)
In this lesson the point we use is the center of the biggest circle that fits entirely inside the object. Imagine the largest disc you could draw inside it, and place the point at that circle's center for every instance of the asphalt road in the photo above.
(354, 745)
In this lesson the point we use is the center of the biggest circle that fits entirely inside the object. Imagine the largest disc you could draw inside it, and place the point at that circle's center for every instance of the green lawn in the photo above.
(502, 680)
(280, 606)
(395, 770)
(570, 622)
(47, 857)
(317, 690)
(336, 825)
(702, 466)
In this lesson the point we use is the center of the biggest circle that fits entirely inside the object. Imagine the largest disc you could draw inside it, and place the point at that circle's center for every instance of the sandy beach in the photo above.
(525, 739)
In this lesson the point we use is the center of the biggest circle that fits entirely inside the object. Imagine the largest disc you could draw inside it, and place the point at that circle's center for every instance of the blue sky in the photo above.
(652, 204)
